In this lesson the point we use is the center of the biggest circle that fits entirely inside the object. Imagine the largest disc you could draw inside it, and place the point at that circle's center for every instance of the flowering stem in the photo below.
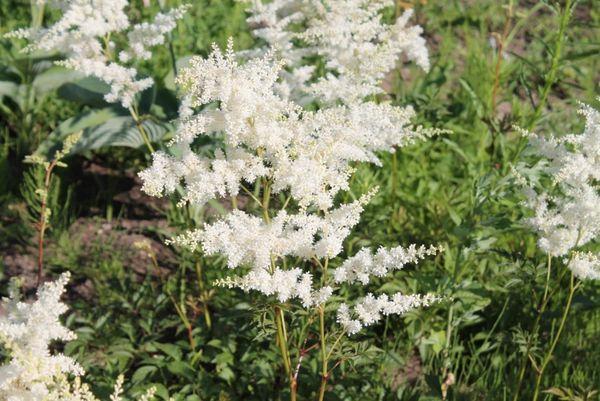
(501, 43)
(265, 200)
(186, 322)
(541, 309)
(337, 340)
(37, 14)
(141, 129)
(324, 354)
(250, 194)
(550, 79)
(548, 356)
(548, 270)
(43, 223)
(203, 296)
(285, 353)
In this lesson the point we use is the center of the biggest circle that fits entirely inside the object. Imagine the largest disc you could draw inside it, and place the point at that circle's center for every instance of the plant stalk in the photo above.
(43, 223)
(203, 295)
(141, 129)
(550, 79)
(285, 353)
(548, 356)
(324, 355)
(541, 309)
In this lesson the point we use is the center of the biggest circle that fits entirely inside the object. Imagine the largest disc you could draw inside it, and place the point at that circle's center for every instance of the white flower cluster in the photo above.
(31, 372)
(284, 284)
(358, 49)
(267, 136)
(302, 235)
(569, 217)
(83, 34)
(26, 330)
(586, 266)
(271, 141)
(370, 309)
(364, 264)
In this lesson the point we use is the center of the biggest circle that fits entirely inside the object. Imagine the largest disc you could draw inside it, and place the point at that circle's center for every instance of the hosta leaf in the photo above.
(53, 78)
(102, 128)
(9, 89)
(89, 91)
(86, 120)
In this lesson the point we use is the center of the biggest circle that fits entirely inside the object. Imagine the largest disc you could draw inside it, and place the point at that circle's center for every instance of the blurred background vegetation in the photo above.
(150, 311)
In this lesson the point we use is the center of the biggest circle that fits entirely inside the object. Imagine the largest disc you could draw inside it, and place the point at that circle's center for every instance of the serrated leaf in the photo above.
(172, 350)
(142, 373)
(180, 368)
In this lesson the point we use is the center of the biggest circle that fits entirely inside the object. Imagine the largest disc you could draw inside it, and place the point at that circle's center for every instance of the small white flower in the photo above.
(570, 217)
(585, 266)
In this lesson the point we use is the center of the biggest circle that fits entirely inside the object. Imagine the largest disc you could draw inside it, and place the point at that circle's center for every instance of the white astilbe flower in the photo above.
(26, 331)
(364, 264)
(585, 266)
(149, 34)
(271, 142)
(121, 79)
(570, 217)
(277, 139)
(283, 284)
(204, 178)
(81, 35)
(32, 372)
(357, 47)
(370, 309)
(302, 235)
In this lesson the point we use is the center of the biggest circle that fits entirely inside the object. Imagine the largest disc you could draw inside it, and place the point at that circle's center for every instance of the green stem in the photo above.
(551, 77)
(548, 356)
(324, 355)
(43, 222)
(285, 353)
(186, 322)
(541, 309)
(141, 129)
(203, 295)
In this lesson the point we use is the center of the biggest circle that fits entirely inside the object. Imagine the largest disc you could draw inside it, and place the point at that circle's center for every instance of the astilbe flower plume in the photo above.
(83, 35)
(568, 217)
(32, 372)
(270, 140)
(357, 47)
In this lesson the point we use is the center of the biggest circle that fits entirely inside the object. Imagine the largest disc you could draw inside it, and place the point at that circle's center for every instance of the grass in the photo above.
(456, 190)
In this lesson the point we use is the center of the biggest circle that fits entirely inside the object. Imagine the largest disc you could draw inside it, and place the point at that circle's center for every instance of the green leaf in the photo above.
(9, 89)
(180, 368)
(89, 91)
(85, 120)
(53, 78)
(102, 128)
(170, 349)
(142, 373)
(161, 390)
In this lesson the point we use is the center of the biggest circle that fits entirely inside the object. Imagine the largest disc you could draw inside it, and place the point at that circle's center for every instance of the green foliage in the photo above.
(169, 326)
